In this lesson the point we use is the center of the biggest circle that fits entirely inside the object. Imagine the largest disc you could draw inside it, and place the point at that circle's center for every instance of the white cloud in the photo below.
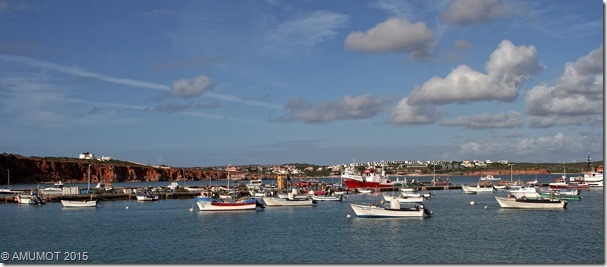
(306, 31)
(508, 67)
(404, 114)
(191, 88)
(551, 148)
(575, 98)
(394, 35)
(347, 108)
(80, 72)
(510, 119)
(467, 12)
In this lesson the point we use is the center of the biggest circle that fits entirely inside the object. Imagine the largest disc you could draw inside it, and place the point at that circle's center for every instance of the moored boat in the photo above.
(57, 189)
(214, 204)
(401, 199)
(393, 210)
(490, 177)
(273, 201)
(79, 203)
(371, 178)
(32, 199)
(477, 189)
(146, 195)
(328, 198)
(527, 203)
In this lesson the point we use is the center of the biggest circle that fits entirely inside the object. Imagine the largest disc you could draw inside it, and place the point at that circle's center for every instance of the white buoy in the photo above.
(192, 209)
(348, 215)
(472, 203)
(486, 207)
(127, 207)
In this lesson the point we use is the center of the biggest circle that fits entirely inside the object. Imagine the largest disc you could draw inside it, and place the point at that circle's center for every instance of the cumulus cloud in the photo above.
(467, 12)
(347, 108)
(394, 35)
(191, 88)
(508, 67)
(509, 119)
(403, 113)
(575, 98)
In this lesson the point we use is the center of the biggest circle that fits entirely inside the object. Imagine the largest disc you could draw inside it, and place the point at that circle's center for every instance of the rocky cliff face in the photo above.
(25, 170)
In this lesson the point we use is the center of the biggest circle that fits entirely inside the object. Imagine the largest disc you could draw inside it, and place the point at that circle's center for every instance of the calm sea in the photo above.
(167, 232)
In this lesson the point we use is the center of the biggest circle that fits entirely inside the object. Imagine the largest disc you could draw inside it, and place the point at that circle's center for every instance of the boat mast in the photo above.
(229, 166)
(511, 173)
(9, 177)
(88, 174)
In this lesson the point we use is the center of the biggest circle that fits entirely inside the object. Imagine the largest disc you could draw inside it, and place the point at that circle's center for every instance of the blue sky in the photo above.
(206, 83)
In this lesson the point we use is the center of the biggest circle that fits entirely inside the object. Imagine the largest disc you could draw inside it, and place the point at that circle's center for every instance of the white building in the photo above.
(86, 155)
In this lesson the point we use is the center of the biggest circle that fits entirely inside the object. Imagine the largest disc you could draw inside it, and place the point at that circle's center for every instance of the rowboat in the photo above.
(273, 201)
(527, 203)
(79, 204)
(328, 198)
(394, 210)
(213, 204)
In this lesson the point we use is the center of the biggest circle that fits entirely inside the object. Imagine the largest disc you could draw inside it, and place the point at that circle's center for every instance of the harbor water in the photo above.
(165, 231)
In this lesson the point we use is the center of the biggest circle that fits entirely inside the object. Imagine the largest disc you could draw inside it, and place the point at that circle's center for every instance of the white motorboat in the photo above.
(32, 199)
(526, 203)
(529, 191)
(477, 189)
(57, 189)
(194, 189)
(146, 195)
(394, 210)
(490, 177)
(79, 203)
(401, 199)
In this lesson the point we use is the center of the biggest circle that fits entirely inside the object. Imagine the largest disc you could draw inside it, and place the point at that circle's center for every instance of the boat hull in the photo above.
(513, 203)
(79, 204)
(375, 211)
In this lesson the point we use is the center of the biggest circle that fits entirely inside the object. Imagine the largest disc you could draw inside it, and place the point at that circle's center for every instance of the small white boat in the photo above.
(194, 189)
(328, 198)
(490, 177)
(526, 203)
(211, 204)
(57, 189)
(395, 210)
(274, 201)
(32, 199)
(401, 199)
(477, 189)
(146, 196)
(79, 203)
(364, 191)
(529, 191)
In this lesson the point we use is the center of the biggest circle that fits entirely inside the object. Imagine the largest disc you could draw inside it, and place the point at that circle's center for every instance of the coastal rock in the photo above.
(27, 170)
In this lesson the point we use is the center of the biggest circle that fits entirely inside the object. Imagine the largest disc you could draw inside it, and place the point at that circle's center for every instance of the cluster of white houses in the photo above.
(89, 155)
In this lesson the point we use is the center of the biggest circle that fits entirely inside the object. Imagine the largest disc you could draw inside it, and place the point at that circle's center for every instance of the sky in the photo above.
(210, 82)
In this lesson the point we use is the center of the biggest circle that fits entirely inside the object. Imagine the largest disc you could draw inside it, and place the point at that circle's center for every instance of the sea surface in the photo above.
(167, 232)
